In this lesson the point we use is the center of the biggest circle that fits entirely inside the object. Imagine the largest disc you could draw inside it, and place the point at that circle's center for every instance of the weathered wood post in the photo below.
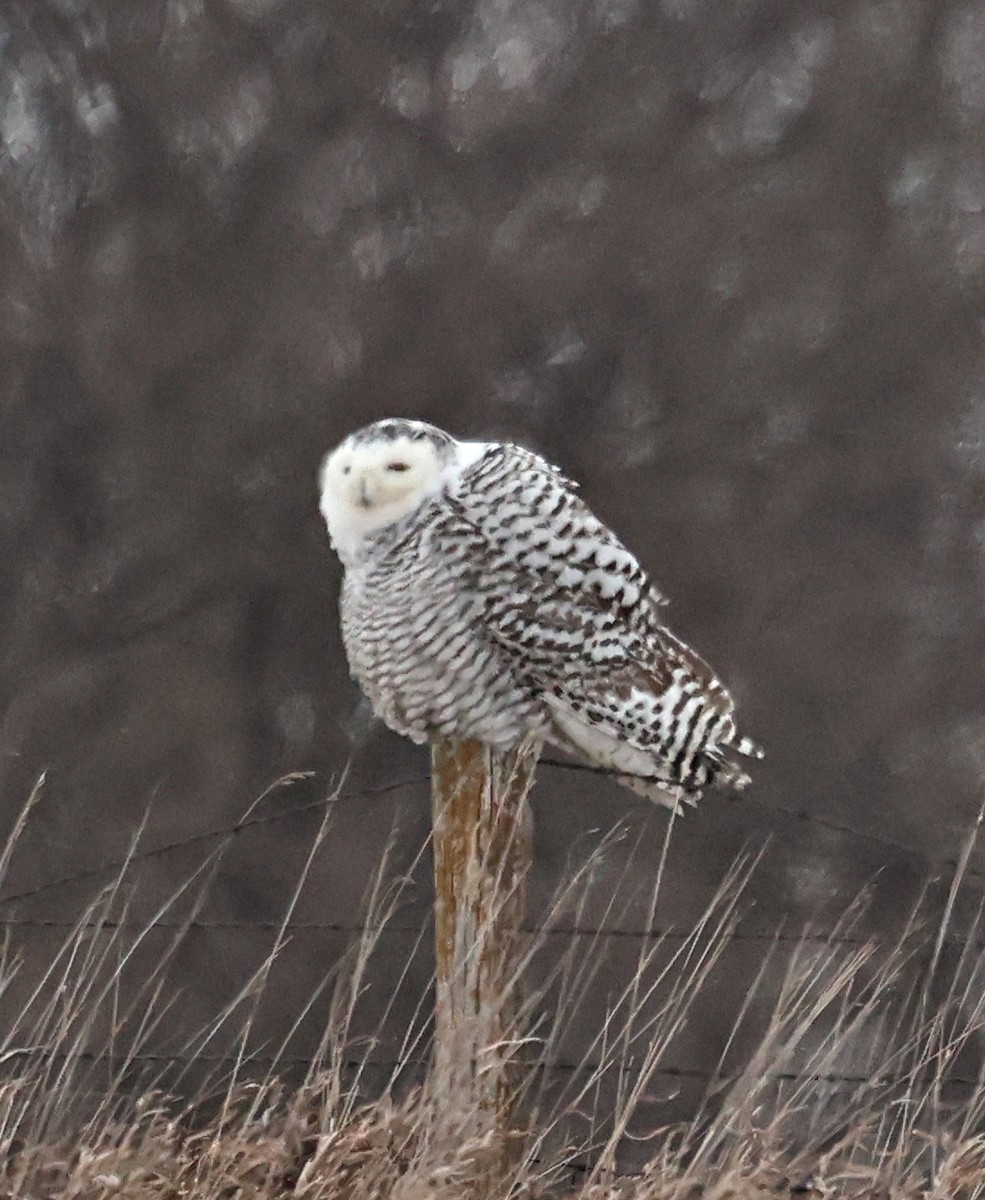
(482, 852)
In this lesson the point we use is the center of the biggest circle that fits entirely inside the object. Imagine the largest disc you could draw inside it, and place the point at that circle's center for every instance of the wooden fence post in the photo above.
(482, 852)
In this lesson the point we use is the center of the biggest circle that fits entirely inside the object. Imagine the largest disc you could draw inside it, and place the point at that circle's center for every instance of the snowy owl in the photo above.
(483, 599)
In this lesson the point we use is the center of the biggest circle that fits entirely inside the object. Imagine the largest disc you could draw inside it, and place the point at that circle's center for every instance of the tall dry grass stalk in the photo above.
(840, 1080)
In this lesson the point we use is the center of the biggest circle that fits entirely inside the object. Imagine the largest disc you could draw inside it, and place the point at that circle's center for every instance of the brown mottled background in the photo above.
(723, 262)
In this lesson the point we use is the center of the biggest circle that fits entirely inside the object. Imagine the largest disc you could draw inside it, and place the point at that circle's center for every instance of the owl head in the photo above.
(379, 475)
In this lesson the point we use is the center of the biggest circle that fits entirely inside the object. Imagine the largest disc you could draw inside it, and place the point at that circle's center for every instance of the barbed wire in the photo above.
(793, 814)
(353, 929)
(393, 1066)
(210, 835)
(361, 794)
(592, 931)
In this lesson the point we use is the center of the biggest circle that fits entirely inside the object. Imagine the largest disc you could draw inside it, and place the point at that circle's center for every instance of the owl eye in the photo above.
(346, 470)
(398, 466)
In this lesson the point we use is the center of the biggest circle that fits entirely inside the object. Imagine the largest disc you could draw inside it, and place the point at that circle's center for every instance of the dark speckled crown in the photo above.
(393, 428)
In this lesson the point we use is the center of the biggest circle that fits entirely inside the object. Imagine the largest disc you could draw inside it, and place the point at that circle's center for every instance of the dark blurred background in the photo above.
(725, 263)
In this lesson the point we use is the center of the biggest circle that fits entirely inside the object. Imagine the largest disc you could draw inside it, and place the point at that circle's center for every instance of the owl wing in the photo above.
(577, 615)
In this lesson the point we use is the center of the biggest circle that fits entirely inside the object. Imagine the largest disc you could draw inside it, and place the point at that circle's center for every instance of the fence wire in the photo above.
(363, 794)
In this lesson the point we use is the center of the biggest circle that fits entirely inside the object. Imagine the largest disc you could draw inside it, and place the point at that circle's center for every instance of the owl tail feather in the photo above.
(725, 772)
(748, 747)
(720, 772)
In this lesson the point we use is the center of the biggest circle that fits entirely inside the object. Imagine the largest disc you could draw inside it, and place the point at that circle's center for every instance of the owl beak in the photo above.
(363, 497)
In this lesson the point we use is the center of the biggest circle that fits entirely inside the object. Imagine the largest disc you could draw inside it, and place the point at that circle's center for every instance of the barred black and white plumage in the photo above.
(483, 599)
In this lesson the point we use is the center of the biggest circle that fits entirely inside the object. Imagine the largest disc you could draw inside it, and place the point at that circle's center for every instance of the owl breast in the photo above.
(416, 641)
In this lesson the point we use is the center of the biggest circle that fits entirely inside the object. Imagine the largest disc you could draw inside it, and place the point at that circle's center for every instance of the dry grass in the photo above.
(848, 1090)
